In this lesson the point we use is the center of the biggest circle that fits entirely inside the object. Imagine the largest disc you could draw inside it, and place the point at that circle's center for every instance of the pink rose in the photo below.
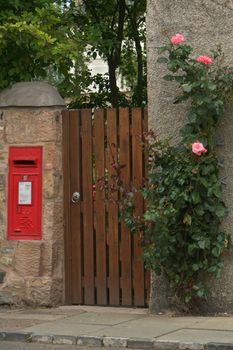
(204, 59)
(177, 39)
(198, 148)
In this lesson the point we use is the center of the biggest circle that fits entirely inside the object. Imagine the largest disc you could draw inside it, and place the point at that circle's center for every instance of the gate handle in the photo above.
(75, 197)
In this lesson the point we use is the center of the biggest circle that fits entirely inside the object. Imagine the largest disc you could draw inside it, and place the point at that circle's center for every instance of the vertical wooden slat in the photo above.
(88, 234)
(75, 225)
(126, 254)
(66, 197)
(137, 165)
(113, 239)
(99, 153)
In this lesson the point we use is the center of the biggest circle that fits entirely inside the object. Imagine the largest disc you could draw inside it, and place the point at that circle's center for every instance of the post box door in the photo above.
(25, 193)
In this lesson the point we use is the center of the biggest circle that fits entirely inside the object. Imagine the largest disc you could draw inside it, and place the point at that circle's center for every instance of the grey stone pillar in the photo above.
(32, 270)
(204, 23)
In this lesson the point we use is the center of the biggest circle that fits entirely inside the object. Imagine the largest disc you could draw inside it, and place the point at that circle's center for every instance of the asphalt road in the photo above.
(28, 346)
(25, 346)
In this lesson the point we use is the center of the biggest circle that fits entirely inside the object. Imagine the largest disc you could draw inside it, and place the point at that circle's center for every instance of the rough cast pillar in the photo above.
(32, 271)
(204, 23)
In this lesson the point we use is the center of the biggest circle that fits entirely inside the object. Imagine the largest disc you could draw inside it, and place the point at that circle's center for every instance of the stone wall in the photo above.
(32, 271)
(204, 23)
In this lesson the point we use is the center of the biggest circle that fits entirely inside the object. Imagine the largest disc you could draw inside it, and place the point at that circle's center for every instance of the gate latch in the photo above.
(75, 197)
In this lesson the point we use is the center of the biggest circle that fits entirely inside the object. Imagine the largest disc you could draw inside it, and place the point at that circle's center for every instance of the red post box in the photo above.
(25, 193)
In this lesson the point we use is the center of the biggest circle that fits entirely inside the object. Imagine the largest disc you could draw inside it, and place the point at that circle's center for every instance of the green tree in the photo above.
(54, 41)
(115, 30)
(36, 41)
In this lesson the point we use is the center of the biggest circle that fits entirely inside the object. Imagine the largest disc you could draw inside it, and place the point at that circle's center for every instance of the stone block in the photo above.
(48, 220)
(166, 345)
(27, 258)
(51, 184)
(6, 261)
(2, 182)
(89, 341)
(38, 291)
(30, 126)
(57, 259)
(56, 291)
(139, 343)
(191, 346)
(46, 259)
(58, 232)
(44, 291)
(16, 336)
(39, 338)
(50, 156)
(64, 339)
(12, 291)
(2, 276)
(52, 259)
(7, 247)
(53, 229)
(219, 346)
(115, 342)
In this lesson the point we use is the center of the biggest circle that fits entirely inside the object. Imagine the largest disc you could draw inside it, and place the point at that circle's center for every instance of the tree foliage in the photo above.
(115, 31)
(40, 39)
(36, 42)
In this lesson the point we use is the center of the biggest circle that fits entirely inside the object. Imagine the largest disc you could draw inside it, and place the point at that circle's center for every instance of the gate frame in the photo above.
(139, 119)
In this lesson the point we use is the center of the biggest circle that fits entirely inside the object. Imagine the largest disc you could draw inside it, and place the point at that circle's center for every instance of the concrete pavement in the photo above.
(96, 327)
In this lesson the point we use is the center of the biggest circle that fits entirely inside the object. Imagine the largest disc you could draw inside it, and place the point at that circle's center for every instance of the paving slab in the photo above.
(219, 323)
(29, 316)
(198, 335)
(117, 326)
(150, 326)
(62, 327)
(106, 319)
(13, 325)
(105, 309)
(65, 311)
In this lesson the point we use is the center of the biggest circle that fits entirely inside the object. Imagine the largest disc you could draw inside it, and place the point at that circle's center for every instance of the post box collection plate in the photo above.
(25, 192)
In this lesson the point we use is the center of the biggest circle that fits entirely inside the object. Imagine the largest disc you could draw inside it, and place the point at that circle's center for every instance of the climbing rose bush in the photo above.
(181, 229)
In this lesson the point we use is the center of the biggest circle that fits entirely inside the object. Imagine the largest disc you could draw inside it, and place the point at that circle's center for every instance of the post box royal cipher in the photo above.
(25, 193)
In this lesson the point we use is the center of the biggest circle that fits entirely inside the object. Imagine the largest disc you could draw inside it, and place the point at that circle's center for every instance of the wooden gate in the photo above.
(103, 264)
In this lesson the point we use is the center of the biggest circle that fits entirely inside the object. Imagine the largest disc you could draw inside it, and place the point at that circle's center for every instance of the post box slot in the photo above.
(24, 162)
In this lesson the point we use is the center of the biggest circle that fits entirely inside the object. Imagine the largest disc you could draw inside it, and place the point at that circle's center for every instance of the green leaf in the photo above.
(217, 191)
(195, 197)
(220, 211)
(216, 251)
(192, 117)
(162, 49)
(168, 77)
(201, 244)
(195, 267)
(187, 219)
(162, 60)
(187, 87)
(204, 182)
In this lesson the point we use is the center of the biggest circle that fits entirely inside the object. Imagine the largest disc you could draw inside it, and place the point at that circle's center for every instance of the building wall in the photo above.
(32, 271)
(204, 23)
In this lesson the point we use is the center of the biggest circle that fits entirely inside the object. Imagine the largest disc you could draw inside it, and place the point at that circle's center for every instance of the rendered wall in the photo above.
(204, 23)
(32, 271)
